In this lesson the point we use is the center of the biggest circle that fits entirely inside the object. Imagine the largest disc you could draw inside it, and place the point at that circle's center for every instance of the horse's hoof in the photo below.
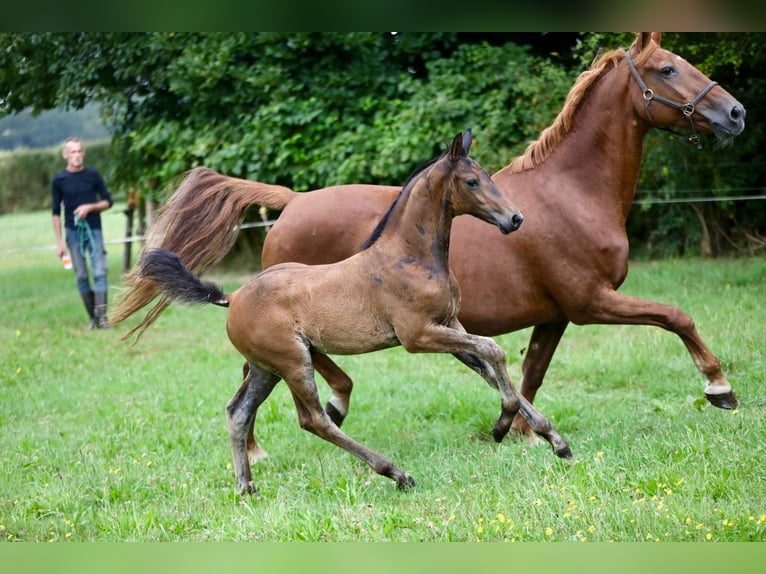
(405, 482)
(564, 452)
(723, 400)
(334, 414)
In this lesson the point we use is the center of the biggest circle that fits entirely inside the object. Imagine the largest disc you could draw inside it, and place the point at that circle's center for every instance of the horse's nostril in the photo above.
(517, 219)
(737, 113)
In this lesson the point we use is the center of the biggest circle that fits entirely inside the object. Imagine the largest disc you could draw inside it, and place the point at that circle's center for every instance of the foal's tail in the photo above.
(199, 223)
(176, 282)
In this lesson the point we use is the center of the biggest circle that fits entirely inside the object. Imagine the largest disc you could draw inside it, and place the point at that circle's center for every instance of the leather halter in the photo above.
(686, 109)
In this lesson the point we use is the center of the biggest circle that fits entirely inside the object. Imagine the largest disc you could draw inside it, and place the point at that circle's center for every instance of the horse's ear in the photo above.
(456, 149)
(643, 39)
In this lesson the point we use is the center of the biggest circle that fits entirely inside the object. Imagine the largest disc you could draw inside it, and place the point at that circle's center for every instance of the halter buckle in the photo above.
(687, 110)
(649, 94)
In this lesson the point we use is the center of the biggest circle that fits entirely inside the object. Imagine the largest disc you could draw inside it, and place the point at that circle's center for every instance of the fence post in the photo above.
(129, 230)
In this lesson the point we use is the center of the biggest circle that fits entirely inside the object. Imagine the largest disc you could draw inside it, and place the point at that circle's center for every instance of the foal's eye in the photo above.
(668, 71)
(472, 183)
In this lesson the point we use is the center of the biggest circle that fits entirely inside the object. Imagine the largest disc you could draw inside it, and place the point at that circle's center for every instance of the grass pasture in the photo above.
(103, 441)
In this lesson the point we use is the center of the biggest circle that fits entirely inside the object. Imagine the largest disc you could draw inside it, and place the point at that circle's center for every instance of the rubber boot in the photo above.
(99, 310)
(89, 301)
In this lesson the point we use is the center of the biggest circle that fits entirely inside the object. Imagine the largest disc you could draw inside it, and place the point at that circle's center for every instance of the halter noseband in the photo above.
(686, 109)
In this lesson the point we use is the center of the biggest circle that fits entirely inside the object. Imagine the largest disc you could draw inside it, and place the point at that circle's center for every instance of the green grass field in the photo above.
(103, 441)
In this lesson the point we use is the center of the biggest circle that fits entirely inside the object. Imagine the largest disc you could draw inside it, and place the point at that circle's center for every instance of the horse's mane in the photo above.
(540, 149)
(375, 235)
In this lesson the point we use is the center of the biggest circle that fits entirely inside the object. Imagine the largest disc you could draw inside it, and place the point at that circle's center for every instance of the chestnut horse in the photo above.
(575, 186)
(397, 291)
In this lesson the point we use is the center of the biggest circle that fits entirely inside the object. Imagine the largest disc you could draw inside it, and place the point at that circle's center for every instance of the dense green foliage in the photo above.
(103, 441)
(313, 109)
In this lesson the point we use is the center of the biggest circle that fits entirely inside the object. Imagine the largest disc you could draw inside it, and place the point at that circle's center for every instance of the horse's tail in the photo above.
(175, 280)
(199, 223)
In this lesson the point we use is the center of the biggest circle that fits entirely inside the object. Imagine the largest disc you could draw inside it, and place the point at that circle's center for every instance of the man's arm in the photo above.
(82, 211)
(60, 245)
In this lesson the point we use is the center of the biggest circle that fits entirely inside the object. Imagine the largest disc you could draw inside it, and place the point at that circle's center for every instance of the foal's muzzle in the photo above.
(511, 224)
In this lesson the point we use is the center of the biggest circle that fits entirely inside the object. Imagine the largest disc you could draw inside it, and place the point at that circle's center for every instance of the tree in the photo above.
(313, 109)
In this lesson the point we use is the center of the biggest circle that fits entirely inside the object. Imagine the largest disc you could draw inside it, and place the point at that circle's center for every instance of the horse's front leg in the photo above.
(611, 307)
(542, 345)
(485, 357)
(533, 419)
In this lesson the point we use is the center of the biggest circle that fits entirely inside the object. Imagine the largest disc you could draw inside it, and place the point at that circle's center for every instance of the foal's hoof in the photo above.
(248, 490)
(500, 430)
(564, 452)
(724, 400)
(405, 482)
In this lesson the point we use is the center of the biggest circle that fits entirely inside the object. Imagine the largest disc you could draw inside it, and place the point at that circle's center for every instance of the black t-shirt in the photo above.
(75, 188)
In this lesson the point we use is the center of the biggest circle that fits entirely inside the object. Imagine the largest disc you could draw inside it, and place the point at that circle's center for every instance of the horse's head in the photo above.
(468, 189)
(671, 93)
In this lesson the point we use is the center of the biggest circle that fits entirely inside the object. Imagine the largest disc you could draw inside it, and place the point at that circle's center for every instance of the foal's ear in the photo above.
(460, 145)
(467, 140)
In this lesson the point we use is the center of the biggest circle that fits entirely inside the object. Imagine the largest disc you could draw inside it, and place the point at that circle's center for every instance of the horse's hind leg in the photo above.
(255, 452)
(240, 418)
(313, 418)
(339, 382)
(542, 345)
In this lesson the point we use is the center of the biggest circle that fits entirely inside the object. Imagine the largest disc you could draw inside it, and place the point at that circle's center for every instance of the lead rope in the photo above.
(84, 234)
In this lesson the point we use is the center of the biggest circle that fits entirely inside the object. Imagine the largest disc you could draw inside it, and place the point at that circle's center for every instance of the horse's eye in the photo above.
(473, 183)
(668, 71)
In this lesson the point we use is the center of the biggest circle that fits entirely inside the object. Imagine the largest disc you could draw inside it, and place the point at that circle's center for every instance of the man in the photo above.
(83, 194)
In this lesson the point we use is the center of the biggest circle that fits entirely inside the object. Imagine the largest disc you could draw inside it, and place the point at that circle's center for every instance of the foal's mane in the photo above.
(376, 233)
(540, 149)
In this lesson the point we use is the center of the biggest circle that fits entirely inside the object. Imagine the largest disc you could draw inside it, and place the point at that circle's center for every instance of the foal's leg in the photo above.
(337, 407)
(542, 345)
(313, 418)
(485, 357)
(340, 383)
(254, 451)
(240, 417)
(611, 307)
(523, 408)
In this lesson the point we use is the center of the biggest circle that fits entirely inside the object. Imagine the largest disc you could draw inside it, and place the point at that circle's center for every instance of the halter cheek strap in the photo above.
(686, 109)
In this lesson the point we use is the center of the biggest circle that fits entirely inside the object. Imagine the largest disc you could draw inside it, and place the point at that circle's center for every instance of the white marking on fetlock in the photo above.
(717, 388)
(339, 406)
(256, 455)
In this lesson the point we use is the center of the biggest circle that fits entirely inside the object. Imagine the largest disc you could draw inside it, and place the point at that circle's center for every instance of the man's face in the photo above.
(74, 155)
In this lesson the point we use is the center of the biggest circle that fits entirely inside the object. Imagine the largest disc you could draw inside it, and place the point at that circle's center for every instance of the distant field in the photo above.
(103, 441)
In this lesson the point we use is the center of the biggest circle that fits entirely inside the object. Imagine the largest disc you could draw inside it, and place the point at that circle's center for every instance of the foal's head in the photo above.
(465, 188)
